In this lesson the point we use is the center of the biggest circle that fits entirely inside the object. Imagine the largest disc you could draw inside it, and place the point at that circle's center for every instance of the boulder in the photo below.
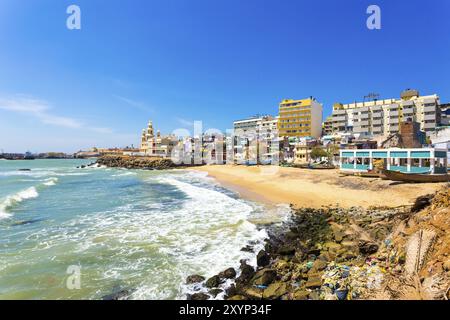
(253, 293)
(230, 273)
(215, 292)
(264, 277)
(195, 278)
(314, 282)
(446, 265)
(118, 295)
(319, 265)
(332, 247)
(247, 271)
(275, 291)
(300, 294)
(197, 296)
(367, 247)
(231, 291)
(286, 250)
(262, 259)
(213, 282)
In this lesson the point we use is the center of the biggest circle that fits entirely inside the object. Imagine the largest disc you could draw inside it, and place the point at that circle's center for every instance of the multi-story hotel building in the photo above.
(327, 126)
(300, 118)
(382, 117)
(253, 133)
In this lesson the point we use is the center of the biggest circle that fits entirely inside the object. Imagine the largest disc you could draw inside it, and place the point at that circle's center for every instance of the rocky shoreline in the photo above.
(343, 254)
(128, 162)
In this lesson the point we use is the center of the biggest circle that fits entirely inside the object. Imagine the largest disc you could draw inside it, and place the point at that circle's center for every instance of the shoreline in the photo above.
(315, 188)
(345, 254)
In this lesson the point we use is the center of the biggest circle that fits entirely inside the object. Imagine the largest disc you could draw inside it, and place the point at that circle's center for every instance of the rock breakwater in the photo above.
(128, 162)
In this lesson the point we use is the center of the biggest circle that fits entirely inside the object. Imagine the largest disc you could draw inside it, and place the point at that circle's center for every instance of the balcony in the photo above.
(393, 128)
(362, 123)
(377, 130)
(393, 114)
(408, 111)
(430, 117)
(430, 108)
(393, 121)
(431, 125)
(338, 119)
(364, 116)
(407, 103)
(339, 112)
(393, 107)
(377, 122)
(360, 129)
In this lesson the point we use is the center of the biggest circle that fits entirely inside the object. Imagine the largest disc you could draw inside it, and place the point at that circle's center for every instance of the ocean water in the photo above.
(141, 231)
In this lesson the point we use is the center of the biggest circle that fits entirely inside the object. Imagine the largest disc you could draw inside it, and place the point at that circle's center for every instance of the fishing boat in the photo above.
(414, 177)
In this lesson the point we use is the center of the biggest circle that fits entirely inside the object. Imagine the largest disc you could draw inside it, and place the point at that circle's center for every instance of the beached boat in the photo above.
(414, 177)
(363, 174)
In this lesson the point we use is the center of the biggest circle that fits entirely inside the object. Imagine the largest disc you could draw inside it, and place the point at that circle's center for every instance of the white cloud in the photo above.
(133, 103)
(185, 122)
(41, 110)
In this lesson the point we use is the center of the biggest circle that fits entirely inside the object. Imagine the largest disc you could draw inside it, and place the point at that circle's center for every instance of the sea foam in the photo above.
(14, 199)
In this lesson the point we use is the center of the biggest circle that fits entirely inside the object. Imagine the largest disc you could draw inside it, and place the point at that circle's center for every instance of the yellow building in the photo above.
(300, 118)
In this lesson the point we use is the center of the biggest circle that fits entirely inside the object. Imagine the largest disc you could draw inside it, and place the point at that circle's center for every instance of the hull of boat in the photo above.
(414, 177)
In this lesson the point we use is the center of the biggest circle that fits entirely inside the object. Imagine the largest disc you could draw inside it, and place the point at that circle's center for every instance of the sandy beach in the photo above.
(315, 188)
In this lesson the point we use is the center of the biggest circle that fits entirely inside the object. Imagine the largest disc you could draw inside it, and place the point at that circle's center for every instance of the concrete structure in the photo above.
(441, 139)
(382, 117)
(327, 127)
(256, 140)
(302, 153)
(445, 115)
(427, 160)
(300, 118)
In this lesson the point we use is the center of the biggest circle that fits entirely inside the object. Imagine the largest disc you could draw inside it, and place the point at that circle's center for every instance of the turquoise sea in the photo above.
(140, 231)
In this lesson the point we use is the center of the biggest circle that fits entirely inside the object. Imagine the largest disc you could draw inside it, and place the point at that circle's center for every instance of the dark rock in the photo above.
(286, 250)
(198, 296)
(262, 259)
(366, 247)
(264, 277)
(231, 291)
(247, 248)
(194, 279)
(422, 202)
(291, 235)
(230, 273)
(118, 295)
(247, 271)
(215, 292)
(213, 282)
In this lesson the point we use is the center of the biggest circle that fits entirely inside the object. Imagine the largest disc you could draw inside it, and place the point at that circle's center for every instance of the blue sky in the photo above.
(176, 61)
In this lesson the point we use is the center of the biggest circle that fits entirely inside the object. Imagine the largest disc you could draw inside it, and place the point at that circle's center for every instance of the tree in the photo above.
(318, 153)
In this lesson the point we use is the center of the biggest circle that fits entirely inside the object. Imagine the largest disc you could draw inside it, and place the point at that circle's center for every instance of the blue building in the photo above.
(424, 160)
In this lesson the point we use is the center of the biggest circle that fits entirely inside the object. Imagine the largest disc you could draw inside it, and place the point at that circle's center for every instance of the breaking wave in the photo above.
(12, 200)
